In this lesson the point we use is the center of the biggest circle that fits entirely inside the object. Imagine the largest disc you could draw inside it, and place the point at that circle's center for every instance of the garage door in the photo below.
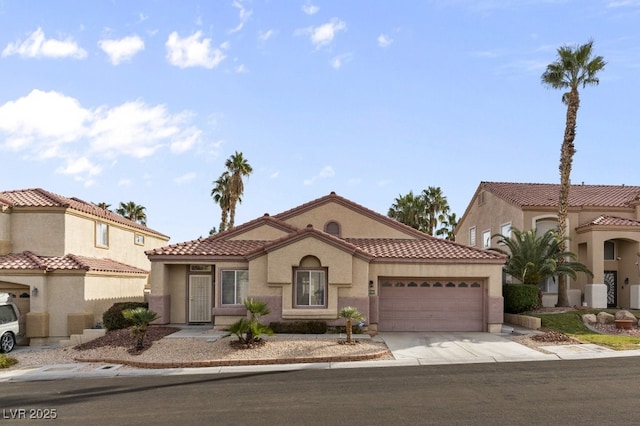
(430, 305)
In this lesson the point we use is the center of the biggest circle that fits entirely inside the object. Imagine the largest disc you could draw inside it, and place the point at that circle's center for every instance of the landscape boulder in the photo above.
(626, 315)
(589, 319)
(605, 318)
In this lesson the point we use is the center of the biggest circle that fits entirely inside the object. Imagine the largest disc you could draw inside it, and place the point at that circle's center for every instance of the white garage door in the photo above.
(430, 305)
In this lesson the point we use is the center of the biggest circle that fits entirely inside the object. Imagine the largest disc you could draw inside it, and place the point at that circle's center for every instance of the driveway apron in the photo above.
(458, 347)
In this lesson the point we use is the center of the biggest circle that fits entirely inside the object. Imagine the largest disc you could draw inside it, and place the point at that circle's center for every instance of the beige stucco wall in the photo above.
(41, 232)
(5, 231)
(488, 216)
(80, 239)
(352, 224)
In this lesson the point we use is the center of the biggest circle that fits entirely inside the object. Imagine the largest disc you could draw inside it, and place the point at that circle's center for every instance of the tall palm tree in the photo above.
(448, 227)
(574, 67)
(436, 207)
(409, 209)
(103, 205)
(220, 194)
(238, 167)
(133, 211)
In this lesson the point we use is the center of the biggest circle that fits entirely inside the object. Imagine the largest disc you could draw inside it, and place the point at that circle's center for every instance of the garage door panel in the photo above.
(453, 306)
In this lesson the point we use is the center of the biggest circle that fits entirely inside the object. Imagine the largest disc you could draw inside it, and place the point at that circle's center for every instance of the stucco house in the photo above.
(309, 262)
(603, 226)
(67, 261)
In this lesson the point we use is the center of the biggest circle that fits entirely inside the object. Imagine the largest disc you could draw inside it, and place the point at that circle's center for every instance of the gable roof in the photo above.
(334, 198)
(610, 221)
(70, 262)
(38, 197)
(546, 194)
(416, 247)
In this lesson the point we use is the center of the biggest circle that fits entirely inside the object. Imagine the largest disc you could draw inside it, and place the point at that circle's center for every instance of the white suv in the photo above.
(9, 326)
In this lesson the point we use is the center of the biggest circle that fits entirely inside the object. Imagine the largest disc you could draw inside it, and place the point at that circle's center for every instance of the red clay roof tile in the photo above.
(38, 197)
(546, 195)
(605, 220)
(29, 261)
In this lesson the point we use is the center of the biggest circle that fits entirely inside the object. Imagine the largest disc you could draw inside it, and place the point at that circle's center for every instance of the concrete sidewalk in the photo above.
(408, 349)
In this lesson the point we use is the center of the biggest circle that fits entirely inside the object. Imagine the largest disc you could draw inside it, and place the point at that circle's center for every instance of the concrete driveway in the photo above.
(458, 348)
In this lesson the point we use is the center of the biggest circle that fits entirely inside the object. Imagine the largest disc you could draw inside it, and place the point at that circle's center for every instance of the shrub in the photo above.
(7, 361)
(113, 319)
(520, 298)
(299, 327)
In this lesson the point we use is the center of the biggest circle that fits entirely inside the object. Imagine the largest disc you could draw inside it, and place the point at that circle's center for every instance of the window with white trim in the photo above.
(310, 288)
(102, 234)
(234, 286)
(139, 239)
(505, 230)
(472, 236)
(486, 239)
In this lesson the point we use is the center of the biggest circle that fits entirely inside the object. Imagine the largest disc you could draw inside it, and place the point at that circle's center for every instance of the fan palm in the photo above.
(574, 67)
(436, 207)
(350, 314)
(409, 209)
(220, 194)
(140, 317)
(133, 211)
(238, 167)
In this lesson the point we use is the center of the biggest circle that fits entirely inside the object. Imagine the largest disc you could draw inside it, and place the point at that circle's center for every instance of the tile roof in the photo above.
(38, 197)
(426, 248)
(29, 261)
(604, 220)
(209, 247)
(546, 195)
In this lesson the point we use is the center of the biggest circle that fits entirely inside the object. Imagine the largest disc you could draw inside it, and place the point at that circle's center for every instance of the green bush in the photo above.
(113, 319)
(299, 327)
(7, 361)
(520, 298)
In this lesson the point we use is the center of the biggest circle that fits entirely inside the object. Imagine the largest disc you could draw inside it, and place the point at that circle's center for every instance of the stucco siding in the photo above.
(40, 232)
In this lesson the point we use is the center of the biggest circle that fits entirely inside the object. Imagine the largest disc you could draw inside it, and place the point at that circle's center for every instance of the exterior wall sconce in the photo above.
(34, 292)
(371, 289)
(626, 281)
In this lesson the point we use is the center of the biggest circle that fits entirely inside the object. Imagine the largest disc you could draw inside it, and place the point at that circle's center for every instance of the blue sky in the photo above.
(143, 101)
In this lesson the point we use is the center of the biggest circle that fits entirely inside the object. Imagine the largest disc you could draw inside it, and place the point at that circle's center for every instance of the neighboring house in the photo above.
(309, 262)
(603, 227)
(67, 261)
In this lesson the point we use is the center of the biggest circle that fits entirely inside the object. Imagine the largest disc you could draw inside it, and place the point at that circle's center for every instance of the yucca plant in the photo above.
(350, 314)
(140, 317)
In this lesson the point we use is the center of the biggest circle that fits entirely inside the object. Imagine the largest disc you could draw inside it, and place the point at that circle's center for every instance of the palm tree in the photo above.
(436, 206)
(573, 68)
(140, 317)
(103, 205)
(448, 227)
(133, 211)
(409, 209)
(248, 330)
(533, 258)
(350, 314)
(220, 194)
(238, 167)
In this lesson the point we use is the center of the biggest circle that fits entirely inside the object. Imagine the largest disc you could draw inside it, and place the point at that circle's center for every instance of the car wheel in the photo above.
(7, 342)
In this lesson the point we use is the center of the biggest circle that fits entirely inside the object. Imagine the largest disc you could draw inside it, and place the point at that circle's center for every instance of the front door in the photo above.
(200, 298)
(611, 280)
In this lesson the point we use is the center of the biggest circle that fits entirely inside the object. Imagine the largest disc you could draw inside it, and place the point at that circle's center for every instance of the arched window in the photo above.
(332, 228)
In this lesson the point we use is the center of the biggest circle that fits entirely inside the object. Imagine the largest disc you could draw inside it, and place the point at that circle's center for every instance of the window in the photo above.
(200, 268)
(310, 287)
(472, 236)
(235, 286)
(139, 239)
(486, 239)
(102, 234)
(505, 230)
(481, 198)
(609, 250)
(332, 228)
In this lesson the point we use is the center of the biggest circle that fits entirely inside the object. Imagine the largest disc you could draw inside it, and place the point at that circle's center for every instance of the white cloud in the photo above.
(192, 51)
(338, 61)
(265, 35)
(37, 46)
(50, 125)
(310, 9)
(623, 3)
(123, 49)
(325, 173)
(124, 182)
(324, 34)
(185, 178)
(384, 40)
(244, 13)
(274, 175)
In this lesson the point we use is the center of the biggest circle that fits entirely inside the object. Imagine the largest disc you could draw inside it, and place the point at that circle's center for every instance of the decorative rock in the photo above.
(589, 319)
(605, 318)
(626, 315)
